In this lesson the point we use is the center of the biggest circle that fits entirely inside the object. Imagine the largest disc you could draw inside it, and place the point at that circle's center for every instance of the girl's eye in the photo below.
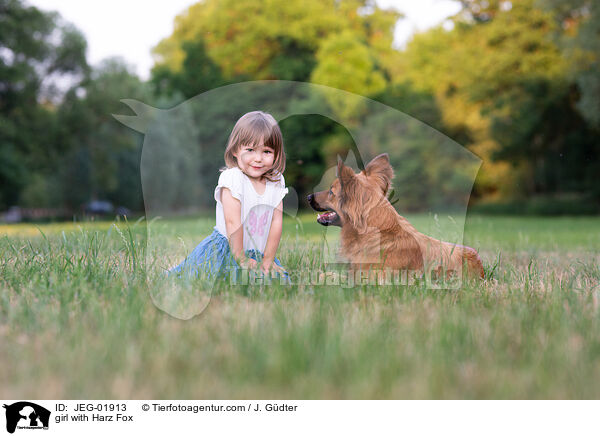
(268, 151)
(330, 192)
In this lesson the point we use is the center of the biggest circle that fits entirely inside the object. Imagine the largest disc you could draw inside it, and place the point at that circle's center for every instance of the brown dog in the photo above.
(374, 235)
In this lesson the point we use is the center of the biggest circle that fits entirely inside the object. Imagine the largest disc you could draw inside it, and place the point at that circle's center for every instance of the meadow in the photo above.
(77, 320)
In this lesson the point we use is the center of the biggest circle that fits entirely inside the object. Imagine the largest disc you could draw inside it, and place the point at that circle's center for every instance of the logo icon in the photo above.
(26, 415)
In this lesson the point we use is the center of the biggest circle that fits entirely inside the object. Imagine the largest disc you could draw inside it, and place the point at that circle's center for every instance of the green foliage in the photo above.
(31, 61)
(580, 45)
(545, 132)
(499, 76)
(251, 37)
(197, 75)
(308, 155)
(421, 105)
(295, 61)
(345, 63)
(103, 158)
(243, 37)
(347, 45)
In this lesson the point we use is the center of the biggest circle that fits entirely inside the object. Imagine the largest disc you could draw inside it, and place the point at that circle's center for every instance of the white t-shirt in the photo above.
(256, 210)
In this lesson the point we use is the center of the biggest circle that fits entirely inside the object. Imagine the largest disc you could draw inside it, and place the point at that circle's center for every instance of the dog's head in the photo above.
(351, 196)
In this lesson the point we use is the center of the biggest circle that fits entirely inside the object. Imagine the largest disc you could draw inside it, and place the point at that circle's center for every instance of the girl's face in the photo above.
(255, 160)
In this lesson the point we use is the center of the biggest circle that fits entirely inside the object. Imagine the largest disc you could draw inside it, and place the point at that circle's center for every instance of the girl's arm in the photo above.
(273, 238)
(232, 211)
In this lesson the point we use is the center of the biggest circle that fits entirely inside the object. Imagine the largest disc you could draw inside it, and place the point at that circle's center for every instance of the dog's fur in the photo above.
(374, 235)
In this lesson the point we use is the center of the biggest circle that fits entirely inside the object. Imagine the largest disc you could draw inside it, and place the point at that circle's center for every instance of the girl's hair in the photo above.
(249, 130)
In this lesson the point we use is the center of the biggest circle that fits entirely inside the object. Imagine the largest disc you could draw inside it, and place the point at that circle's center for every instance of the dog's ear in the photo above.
(344, 173)
(380, 170)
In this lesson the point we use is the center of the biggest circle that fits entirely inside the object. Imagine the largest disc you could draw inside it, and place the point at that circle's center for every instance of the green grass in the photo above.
(78, 319)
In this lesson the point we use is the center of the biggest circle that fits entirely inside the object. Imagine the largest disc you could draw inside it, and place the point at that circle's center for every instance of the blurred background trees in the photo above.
(517, 83)
(36, 49)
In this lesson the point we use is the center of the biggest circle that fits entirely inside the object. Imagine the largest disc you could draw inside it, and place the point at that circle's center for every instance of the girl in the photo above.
(249, 198)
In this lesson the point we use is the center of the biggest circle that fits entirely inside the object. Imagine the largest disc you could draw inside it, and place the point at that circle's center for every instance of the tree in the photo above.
(502, 77)
(257, 39)
(580, 44)
(36, 48)
(345, 63)
(103, 158)
(198, 73)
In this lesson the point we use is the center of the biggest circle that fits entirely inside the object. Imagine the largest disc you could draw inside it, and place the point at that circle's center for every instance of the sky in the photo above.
(130, 28)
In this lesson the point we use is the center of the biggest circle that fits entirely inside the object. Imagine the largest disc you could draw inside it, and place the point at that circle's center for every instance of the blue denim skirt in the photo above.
(212, 260)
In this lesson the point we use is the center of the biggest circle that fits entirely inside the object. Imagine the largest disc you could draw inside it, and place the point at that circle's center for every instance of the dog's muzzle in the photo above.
(329, 218)
(313, 203)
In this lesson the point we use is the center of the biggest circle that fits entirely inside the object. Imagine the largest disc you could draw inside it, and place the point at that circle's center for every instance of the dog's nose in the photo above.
(310, 198)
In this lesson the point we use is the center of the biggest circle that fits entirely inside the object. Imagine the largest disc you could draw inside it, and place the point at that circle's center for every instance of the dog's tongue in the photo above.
(326, 218)
(325, 215)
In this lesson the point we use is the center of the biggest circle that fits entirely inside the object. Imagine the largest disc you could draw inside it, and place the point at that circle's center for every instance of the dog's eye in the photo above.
(330, 192)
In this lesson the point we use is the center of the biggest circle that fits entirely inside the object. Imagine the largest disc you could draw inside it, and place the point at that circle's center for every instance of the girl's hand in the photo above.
(248, 263)
(265, 268)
